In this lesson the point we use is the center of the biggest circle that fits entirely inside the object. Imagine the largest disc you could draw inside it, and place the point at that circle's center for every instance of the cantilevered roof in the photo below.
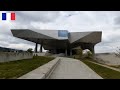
(57, 38)
(75, 36)
(87, 37)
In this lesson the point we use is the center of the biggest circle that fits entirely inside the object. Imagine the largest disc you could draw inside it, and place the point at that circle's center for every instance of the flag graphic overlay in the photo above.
(12, 16)
(3, 16)
(8, 16)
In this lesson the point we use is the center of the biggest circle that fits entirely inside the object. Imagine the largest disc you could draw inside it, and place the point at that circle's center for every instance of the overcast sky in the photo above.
(106, 21)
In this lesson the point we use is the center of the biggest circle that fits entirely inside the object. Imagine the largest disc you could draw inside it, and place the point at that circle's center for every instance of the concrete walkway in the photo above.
(73, 69)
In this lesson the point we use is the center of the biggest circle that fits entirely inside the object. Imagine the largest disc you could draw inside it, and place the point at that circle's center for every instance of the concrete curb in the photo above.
(52, 69)
(42, 72)
(106, 66)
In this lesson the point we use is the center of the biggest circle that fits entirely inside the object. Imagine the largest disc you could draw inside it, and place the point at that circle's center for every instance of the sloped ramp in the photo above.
(73, 69)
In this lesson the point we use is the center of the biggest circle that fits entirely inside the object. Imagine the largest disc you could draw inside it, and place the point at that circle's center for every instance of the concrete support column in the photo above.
(36, 48)
(41, 48)
(65, 52)
(92, 49)
(55, 51)
(70, 52)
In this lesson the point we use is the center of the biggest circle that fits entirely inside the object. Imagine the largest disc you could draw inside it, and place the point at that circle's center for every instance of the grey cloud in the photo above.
(13, 40)
(117, 20)
(4, 44)
(102, 49)
(41, 16)
(6, 38)
(5, 30)
(6, 35)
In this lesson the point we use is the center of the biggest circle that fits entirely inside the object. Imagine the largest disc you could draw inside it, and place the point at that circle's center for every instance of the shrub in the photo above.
(87, 54)
(90, 55)
(78, 54)
(30, 50)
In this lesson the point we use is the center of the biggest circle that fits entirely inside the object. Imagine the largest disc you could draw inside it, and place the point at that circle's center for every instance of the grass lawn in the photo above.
(15, 69)
(104, 72)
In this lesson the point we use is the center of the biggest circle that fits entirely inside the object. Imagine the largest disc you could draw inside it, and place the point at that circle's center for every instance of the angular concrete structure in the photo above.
(59, 41)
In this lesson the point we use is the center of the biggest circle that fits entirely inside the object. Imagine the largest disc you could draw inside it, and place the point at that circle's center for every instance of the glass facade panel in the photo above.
(62, 33)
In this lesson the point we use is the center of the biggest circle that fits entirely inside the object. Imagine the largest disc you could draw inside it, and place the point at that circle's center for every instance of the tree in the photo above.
(117, 52)
(30, 50)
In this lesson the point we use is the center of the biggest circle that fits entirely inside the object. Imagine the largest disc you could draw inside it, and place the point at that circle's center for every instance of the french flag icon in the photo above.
(8, 16)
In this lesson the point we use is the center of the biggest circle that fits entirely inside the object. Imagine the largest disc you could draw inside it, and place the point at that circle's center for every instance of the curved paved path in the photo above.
(73, 69)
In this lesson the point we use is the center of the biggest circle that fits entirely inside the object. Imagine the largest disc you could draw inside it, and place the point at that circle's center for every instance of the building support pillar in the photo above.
(41, 48)
(70, 52)
(92, 49)
(65, 52)
(36, 48)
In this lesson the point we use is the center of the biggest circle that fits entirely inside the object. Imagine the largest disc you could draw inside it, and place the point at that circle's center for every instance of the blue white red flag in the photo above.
(8, 16)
